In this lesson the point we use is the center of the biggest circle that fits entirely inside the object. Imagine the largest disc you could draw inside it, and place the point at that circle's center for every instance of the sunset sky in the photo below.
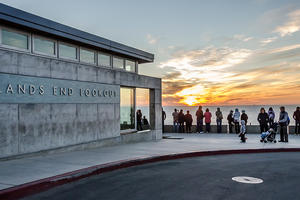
(209, 52)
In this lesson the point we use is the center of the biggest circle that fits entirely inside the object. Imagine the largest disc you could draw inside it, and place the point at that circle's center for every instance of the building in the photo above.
(62, 88)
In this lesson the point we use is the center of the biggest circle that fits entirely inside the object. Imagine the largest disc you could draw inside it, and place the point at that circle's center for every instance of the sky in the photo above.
(208, 52)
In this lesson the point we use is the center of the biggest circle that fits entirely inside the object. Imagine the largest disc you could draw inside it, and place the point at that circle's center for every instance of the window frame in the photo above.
(71, 45)
(87, 49)
(118, 67)
(34, 36)
(133, 66)
(16, 31)
(124, 131)
(110, 60)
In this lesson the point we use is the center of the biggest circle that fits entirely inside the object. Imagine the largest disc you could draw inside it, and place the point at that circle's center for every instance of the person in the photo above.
(271, 114)
(236, 118)
(188, 121)
(163, 116)
(181, 121)
(244, 117)
(296, 117)
(207, 116)
(200, 117)
(175, 121)
(145, 121)
(230, 121)
(243, 131)
(219, 117)
(283, 123)
(139, 116)
(263, 119)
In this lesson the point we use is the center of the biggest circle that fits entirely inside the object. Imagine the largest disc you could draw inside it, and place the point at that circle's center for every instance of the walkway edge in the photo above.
(50, 182)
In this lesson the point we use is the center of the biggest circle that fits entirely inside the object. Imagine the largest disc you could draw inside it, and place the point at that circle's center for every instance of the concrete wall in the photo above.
(28, 128)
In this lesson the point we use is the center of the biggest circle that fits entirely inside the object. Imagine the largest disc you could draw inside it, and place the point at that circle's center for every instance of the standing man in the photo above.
(207, 116)
(236, 118)
(188, 121)
(181, 121)
(175, 121)
(164, 116)
(244, 117)
(271, 114)
(230, 121)
(139, 117)
(283, 123)
(200, 117)
(296, 117)
(219, 117)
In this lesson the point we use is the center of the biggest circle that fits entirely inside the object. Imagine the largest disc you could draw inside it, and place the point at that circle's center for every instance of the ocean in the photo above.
(251, 111)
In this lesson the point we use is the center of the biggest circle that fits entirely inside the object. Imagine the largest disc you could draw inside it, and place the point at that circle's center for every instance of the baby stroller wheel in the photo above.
(275, 141)
(265, 141)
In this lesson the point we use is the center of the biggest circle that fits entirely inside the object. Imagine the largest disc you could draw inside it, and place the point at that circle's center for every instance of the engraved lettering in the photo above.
(99, 93)
(21, 88)
(81, 92)
(87, 92)
(94, 93)
(9, 89)
(70, 91)
(63, 91)
(31, 89)
(110, 93)
(106, 93)
(42, 91)
(55, 90)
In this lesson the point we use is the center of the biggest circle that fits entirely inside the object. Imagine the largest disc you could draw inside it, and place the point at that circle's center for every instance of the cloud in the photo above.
(151, 39)
(268, 40)
(242, 37)
(291, 26)
(285, 48)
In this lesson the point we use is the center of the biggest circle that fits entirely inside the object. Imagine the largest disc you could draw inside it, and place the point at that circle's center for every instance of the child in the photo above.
(243, 131)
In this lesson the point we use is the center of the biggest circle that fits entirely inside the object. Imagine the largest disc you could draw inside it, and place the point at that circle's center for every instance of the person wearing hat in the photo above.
(230, 121)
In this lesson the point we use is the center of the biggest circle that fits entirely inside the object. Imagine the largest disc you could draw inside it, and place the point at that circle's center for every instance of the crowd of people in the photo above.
(183, 122)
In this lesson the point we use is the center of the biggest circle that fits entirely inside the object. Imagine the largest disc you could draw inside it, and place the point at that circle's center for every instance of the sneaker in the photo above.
(201, 132)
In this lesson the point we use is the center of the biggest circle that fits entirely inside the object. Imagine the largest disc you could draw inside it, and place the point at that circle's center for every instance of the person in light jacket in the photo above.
(236, 118)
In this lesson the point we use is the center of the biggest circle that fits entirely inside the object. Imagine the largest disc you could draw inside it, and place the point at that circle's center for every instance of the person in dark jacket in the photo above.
(139, 116)
(200, 117)
(263, 119)
(244, 116)
(219, 118)
(181, 121)
(296, 117)
(230, 121)
(163, 118)
(188, 121)
(145, 121)
(283, 123)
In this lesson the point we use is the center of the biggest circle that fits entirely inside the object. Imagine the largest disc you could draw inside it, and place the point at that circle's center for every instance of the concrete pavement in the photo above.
(28, 169)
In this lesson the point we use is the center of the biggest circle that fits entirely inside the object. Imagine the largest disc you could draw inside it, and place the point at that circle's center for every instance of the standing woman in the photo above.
(236, 118)
(207, 116)
(263, 119)
(271, 114)
(139, 117)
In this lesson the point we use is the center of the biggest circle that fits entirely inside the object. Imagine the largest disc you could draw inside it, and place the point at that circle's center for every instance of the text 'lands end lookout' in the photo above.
(62, 88)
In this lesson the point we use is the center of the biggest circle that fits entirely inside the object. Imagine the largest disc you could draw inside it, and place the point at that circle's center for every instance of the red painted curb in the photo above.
(47, 183)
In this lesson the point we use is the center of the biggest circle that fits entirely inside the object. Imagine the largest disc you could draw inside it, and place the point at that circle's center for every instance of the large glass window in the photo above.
(143, 104)
(67, 51)
(14, 39)
(104, 60)
(127, 114)
(130, 66)
(87, 56)
(118, 63)
(44, 46)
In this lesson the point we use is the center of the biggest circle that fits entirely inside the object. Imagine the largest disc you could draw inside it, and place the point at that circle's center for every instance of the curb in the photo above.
(50, 182)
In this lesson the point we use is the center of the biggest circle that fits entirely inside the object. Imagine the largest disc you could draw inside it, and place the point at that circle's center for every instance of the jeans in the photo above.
(139, 126)
(237, 127)
(271, 122)
(181, 127)
(297, 127)
(283, 134)
(207, 127)
(175, 127)
(230, 127)
(188, 127)
(219, 125)
(199, 125)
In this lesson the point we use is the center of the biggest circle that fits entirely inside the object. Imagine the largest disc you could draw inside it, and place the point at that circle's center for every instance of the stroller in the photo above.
(270, 135)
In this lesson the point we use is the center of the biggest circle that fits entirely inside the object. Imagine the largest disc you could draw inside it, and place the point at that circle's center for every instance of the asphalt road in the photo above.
(192, 178)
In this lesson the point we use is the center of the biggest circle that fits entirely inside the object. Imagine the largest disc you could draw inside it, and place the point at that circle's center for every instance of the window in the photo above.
(14, 39)
(87, 56)
(44, 46)
(104, 60)
(127, 114)
(130, 66)
(67, 51)
(143, 104)
(118, 63)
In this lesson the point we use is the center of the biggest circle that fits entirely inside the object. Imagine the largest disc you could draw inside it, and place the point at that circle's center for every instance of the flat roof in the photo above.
(33, 22)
